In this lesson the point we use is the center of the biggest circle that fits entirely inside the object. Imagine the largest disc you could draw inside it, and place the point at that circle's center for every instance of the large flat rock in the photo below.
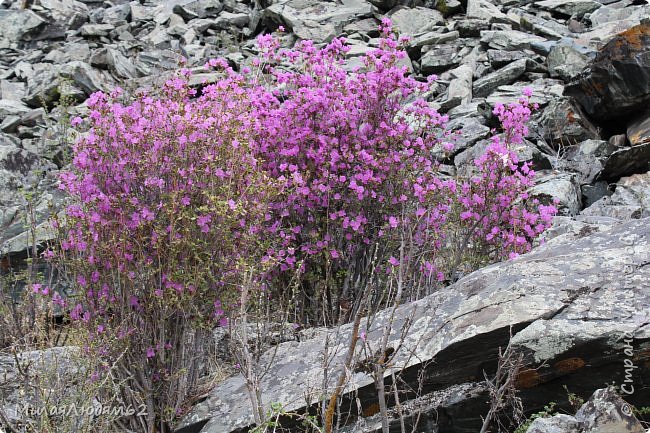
(568, 303)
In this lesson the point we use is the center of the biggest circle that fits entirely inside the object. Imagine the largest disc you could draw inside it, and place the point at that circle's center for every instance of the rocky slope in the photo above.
(588, 63)
(592, 85)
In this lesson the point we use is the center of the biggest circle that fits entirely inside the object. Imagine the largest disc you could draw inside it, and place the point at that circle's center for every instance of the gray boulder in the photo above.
(61, 16)
(471, 27)
(10, 107)
(96, 30)
(616, 13)
(508, 39)
(76, 79)
(469, 131)
(485, 10)
(607, 412)
(616, 83)
(501, 58)
(544, 91)
(565, 62)
(432, 38)
(53, 370)
(117, 14)
(198, 9)
(69, 52)
(586, 159)
(627, 160)
(538, 24)
(26, 179)
(460, 87)
(440, 58)
(113, 60)
(12, 90)
(19, 25)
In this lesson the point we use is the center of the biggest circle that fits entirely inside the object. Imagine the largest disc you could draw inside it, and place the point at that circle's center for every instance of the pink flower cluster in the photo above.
(169, 203)
(178, 194)
(350, 151)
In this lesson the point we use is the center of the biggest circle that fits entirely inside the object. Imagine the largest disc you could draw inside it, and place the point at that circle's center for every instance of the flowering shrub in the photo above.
(169, 208)
(354, 151)
(300, 167)
(494, 213)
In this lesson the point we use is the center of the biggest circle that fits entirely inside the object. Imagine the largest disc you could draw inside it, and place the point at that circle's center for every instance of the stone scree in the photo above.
(568, 302)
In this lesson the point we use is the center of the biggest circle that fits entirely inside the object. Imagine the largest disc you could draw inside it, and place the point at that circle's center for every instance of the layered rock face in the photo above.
(577, 307)
(567, 304)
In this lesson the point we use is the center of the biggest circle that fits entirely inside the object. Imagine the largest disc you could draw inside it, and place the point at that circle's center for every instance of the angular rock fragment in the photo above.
(565, 62)
(561, 187)
(9, 107)
(470, 28)
(469, 132)
(198, 9)
(500, 58)
(547, 28)
(96, 30)
(606, 412)
(485, 10)
(506, 75)
(440, 58)
(627, 160)
(586, 159)
(415, 21)
(20, 25)
(460, 87)
(301, 15)
(630, 199)
(544, 91)
(614, 13)
(68, 53)
(508, 39)
(117, 14)
(432, 38)
(560, 423)
(570, 7)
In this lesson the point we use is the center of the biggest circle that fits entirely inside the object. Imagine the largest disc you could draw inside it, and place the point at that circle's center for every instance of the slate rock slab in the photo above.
(570, 7)
(570, 298)
(506, 75)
